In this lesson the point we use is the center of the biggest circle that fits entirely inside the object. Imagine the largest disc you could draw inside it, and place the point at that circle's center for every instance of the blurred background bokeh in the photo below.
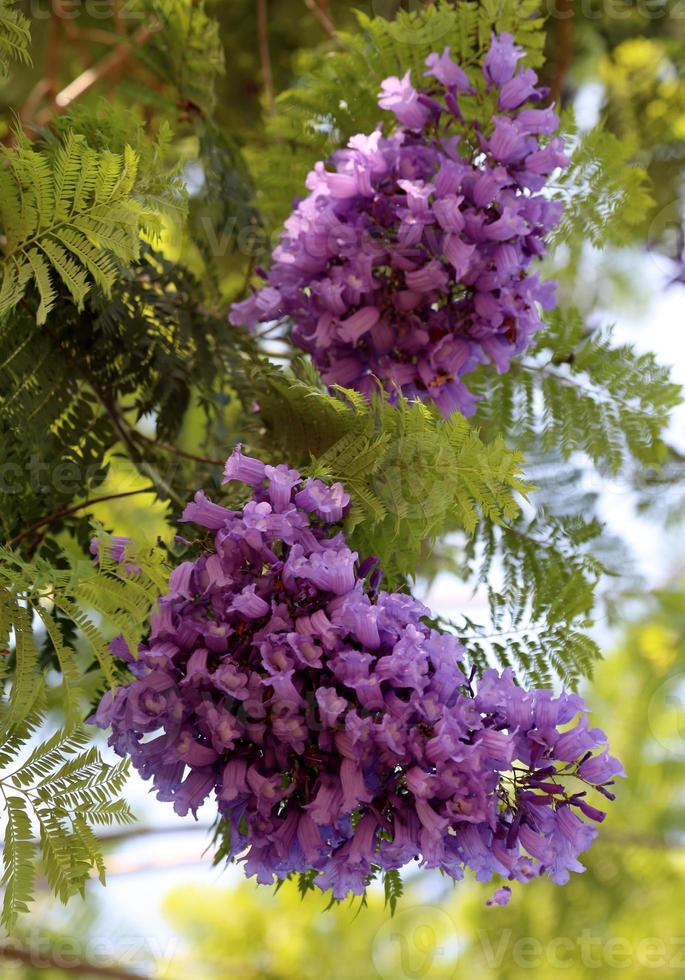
(166, 912)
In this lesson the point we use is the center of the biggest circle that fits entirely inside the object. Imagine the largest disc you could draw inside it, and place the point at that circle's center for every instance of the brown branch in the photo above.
(67, 511)
(63, 24)
(321, 14)
(52, 60)
(121, 428)
(99, 36)
(61, 12)
(264, 53)
(128, 435)
(564, 49)
(117, 16)
(119, 865)
(33, 100)
(133, 833)
(167, 447)
(119, 28)
(112, 62)
(52, 960)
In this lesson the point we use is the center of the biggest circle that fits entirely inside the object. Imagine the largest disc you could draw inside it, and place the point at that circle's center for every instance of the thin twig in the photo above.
(117, 16)
(264, 53)
(34, 98)
(564, 49)
(128, 834)
(119, 28)
(42, 959)
(68, 511)
(120, 426)
(167, 447)
(91, 76)
(99, 36)
(63, 24)
(321, 14)
(60, 11)
(127, 436)
(52, 61)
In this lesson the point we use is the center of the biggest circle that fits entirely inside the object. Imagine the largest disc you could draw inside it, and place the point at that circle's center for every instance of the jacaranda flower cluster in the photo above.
(336, 731)
(409, 262)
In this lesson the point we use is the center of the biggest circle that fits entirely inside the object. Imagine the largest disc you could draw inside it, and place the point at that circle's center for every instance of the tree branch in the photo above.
(50, 959)
(52, 61)
(264, 53)
(124, 432)
(112, 62)
(167, 447)
(67, 511)
(564, 49)
(322, 16)
(127, 834)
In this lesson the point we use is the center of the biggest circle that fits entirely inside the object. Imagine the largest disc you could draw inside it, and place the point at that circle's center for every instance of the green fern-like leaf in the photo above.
(96, 600)
(184, 49)
(412, 476)
(542, 602)
(151, 344)
(67, 215)
(15, 36)
(604, 193)
(578, 391)
(393, 889)
(63, 789)
(18, 860)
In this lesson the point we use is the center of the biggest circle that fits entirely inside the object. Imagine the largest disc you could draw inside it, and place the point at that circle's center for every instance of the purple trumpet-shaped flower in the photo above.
(399, 96)
(116, 550)
(332, 729)
(409, 262)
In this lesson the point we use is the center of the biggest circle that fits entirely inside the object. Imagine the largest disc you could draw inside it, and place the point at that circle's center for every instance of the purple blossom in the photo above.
(501, 60)
(601, 768)
(116, 550)
(447, 72)
(399, 96)
(501, 896)
(335, 730)
(409, 262)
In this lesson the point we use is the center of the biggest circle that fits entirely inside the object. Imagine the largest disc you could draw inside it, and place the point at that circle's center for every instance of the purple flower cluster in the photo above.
(336, 730)
(409, 262)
